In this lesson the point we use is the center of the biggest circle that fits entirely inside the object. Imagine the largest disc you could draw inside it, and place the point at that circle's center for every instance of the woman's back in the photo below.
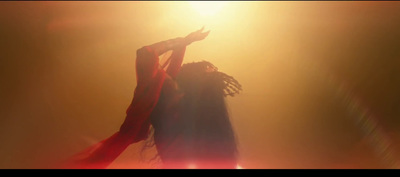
(192, 131)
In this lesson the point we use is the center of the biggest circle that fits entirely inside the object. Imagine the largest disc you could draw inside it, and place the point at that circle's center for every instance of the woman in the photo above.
(184, 104)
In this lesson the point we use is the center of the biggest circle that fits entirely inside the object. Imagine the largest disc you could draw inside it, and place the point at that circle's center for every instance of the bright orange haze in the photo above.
(308, 70)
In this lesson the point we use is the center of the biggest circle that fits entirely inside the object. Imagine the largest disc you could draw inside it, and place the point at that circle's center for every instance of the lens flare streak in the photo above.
(364, 119)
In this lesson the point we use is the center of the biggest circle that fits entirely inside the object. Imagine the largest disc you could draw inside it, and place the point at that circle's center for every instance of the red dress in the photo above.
(150, 80)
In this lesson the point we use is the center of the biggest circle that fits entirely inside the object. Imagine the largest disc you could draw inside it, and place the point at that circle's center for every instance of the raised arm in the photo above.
(175, 61)
(150, 79)
(147, 61)
(160, 48)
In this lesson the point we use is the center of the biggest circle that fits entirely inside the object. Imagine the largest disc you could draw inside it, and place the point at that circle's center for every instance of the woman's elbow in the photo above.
(143, 51)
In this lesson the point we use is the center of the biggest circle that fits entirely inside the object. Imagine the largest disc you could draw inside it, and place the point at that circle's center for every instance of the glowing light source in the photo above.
(192, 166)
(208, 8)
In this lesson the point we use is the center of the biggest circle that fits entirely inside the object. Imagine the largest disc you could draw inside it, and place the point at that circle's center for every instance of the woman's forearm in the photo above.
(147, 61)
(161, 47)
(176, 60)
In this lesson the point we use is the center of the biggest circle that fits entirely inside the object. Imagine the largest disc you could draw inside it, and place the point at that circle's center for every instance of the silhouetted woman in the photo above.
(185, 104)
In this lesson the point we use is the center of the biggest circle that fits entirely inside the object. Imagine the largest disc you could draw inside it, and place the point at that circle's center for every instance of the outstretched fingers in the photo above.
(203, 35)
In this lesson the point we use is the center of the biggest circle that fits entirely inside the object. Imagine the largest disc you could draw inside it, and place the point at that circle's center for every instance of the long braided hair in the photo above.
(204, 111)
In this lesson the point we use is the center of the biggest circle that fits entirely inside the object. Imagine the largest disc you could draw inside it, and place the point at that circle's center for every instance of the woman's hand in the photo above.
(196, 36)
(161, 47)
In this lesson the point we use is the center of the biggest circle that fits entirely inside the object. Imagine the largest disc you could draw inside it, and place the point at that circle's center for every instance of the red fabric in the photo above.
(150, 79)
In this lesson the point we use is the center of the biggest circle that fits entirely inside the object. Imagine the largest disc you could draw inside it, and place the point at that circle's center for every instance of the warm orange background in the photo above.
(67, 76)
